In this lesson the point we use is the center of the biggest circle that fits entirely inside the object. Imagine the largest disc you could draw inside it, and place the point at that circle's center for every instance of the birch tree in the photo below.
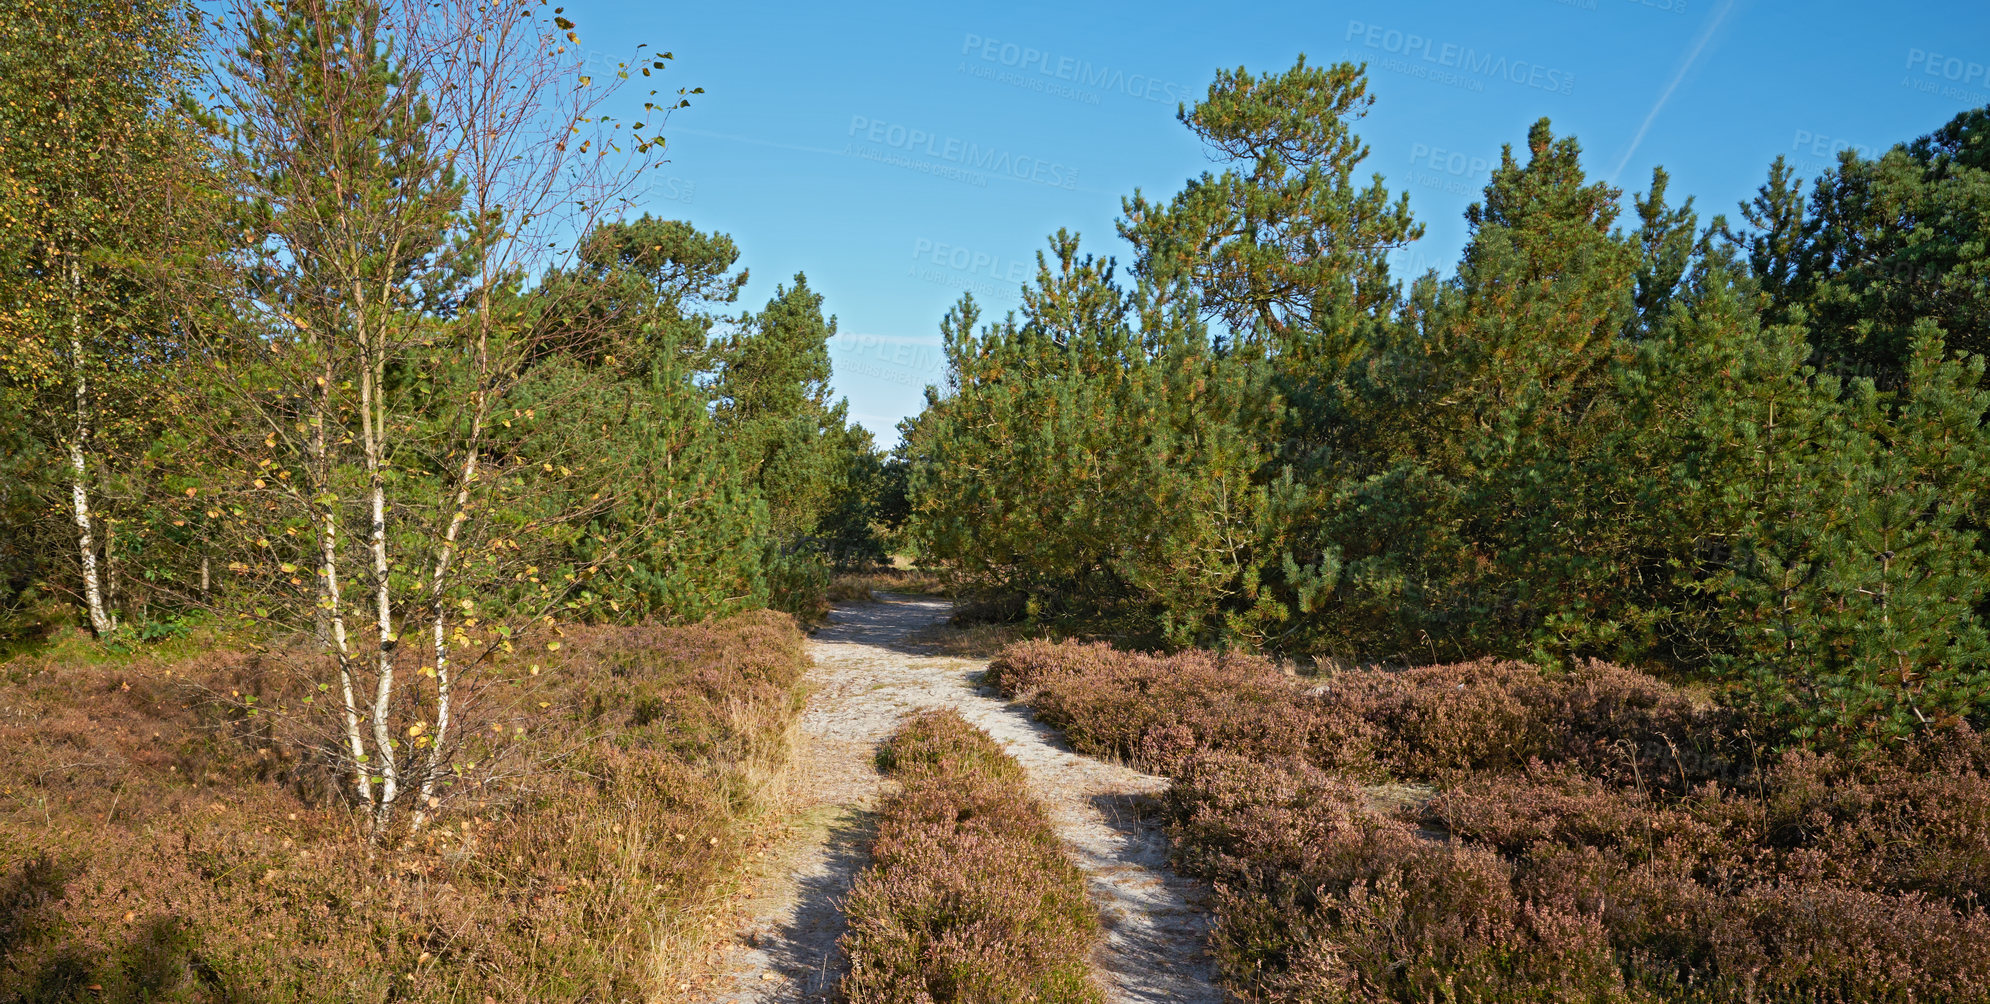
(94, 166)
(405, 171)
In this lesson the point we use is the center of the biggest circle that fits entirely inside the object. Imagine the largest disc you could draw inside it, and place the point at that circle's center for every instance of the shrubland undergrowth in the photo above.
(1595, 835)
(969, 897)
(162, 839)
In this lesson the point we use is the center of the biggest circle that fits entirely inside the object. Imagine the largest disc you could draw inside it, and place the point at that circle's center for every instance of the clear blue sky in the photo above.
(844, 143)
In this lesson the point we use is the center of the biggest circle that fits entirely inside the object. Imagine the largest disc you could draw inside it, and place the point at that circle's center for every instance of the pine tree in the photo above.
(773, 399)
(659, 280)
(1464, 496)
(1856, 591)
(1093, 461)
(773, 402)
(1883, 244)
(1283, 245)
(1665, 239)
(623, 388)
(1775, 244)
(1587, 443)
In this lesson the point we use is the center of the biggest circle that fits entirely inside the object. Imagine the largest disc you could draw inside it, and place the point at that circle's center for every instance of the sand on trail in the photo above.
(867, 677)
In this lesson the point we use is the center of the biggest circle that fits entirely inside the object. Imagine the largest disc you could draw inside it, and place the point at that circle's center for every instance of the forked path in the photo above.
(868, 676)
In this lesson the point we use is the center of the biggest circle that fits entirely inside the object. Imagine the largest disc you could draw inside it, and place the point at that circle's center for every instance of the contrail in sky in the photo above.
(1699, 44)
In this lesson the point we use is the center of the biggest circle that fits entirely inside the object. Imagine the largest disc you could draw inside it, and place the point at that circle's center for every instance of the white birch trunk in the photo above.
(101, 621)
(432, 766)
(372, 433)
(330, 614)
(335, 620)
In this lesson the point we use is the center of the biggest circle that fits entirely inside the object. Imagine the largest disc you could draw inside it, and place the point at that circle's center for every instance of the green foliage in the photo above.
(1749, 456)
(802, 454)
(1458, 484)
(626, 475)
(656, 282)
(1855, 594)
(684, 536)
(772, 395)
(682, 539)
(1096, 460)
(1283, 245)
(102, 191)
(636, 467)
(1886, 244)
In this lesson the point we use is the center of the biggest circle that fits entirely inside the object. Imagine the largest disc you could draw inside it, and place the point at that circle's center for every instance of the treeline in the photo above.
(330, 322)
(1750, 451)
(192, 366)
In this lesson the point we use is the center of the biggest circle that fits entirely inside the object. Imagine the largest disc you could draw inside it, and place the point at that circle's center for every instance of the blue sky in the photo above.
(901, 153)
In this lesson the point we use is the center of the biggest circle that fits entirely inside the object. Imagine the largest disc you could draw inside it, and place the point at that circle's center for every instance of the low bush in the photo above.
(1154, 710)
(1589, 836)
(158, 842)
(969, 897)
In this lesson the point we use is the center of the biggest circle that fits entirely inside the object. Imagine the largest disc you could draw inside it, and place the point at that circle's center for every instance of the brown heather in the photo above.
(159, 843)
(1589, 836)
(969, 897)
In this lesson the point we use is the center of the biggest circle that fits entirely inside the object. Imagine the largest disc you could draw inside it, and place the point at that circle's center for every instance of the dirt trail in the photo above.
(867, 677)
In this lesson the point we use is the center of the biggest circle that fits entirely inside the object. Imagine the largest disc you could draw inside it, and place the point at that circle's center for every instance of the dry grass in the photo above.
(158, 842)
(969, 641)
(856, 587)
(969, 897)
(1487, 832)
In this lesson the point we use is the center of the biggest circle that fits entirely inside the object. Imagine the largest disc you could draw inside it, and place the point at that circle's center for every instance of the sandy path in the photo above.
(867, 677)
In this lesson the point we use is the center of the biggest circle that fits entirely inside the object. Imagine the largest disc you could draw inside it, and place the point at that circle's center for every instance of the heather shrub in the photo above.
(1918, 822)
(1445, 720)
(1319, 898)
(937, 747)
(1593, 835)
(1553, 886)
(159, 841)
(1149, 709)
(1426, 723)
(968, 897)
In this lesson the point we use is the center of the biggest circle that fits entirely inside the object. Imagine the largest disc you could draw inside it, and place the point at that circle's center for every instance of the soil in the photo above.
(870, 672)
